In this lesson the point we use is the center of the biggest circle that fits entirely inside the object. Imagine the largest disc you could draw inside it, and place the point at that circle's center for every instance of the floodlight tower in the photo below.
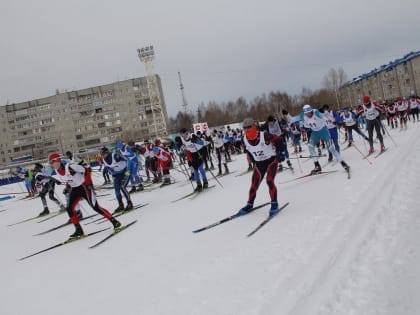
(147, 55)
(184, 99)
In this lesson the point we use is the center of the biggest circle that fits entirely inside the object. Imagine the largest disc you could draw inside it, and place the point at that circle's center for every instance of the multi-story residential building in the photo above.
(398, 78)
(83, 120)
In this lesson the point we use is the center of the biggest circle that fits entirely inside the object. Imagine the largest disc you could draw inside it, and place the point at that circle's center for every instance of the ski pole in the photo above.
(386, 130)
(201, 157)
(364, 157)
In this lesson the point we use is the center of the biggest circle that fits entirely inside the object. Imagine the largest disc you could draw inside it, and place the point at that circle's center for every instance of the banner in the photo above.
(202, 127)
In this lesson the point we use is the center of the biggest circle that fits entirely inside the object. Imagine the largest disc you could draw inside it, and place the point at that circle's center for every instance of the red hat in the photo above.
(366, 99)
(54, 157)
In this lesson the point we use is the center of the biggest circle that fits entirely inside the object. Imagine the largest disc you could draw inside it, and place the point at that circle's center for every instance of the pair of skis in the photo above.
(72, 240)
(102, 219)
(307, 175)
(193, 194)
(237, 215)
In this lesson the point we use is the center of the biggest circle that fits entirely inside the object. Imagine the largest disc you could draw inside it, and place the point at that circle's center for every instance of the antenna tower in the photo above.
(184, 99)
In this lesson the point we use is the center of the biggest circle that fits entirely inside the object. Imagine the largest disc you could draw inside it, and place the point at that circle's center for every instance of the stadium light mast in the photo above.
(147, 56)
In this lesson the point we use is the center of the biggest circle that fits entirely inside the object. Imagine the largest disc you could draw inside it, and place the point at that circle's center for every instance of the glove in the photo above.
(127, 173)
(57, 181)
(71, 171)
(284, 112)
(194, 138)
(66, 190)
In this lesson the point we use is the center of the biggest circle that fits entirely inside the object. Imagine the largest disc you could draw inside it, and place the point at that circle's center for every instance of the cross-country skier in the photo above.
(220, 151)
(45, 185)
(132, 165)
(193, 144)
(350, 121)
(314, 120)
(373, 118)
(164, 161)
(261, 146)
(117, 166)
(81, 187)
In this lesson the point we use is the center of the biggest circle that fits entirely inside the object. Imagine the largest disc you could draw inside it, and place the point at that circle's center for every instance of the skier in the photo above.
(261, 147)
(45, 185)
(81, 187)
(331, 120)
(414, 108)
(116, 164)
(132, 165)
(349, 119)
(220, 151)
(105, 171)
(403, 110)
(164, 160)
(193, 145)
(272, 125)
(27, 175)
(391, 115)
(373, 118)
(314, 121)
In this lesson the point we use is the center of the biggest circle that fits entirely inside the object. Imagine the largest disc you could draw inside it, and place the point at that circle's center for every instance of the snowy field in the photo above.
(341, 247)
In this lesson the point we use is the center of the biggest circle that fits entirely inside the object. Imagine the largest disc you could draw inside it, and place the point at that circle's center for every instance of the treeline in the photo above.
(216, 114)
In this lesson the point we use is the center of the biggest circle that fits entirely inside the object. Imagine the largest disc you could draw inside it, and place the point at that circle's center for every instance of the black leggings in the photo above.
(87, 193)
(270, 167)
(375, 123)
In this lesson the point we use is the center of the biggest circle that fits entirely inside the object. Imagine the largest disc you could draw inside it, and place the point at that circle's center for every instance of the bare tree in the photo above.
(333, 81)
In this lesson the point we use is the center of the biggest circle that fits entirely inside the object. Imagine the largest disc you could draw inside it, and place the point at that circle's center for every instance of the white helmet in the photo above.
(307, 108)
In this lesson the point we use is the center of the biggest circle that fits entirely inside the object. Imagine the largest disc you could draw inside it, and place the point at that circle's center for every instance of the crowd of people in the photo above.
(195, 154)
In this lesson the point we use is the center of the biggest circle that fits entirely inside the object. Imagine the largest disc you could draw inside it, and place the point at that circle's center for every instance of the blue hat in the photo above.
(156, 149)
(120, 144)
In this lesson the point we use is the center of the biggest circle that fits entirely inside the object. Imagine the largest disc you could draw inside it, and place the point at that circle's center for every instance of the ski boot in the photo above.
(220, 171)
(274, 208)
(246, 209)
(330, 156)
(205, 184)
(129, 206)
(44, 212)
(120, 208)
(280, 169)
(115, 223)
(345, 166)
(78, 233)
(317, 169)
(133, 189)
(371, 150)
(198, 188)
(382, 148)
(289, 164)
(226, 169)
(166, 181)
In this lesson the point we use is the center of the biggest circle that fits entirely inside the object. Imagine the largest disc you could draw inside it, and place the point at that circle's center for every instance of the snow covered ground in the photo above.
(341, 247)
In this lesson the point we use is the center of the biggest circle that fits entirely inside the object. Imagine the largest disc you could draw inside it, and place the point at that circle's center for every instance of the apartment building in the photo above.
(83, 120)
(400, 77)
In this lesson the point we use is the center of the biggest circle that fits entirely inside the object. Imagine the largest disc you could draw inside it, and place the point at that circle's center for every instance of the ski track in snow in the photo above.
(341, 247)
(355, 271)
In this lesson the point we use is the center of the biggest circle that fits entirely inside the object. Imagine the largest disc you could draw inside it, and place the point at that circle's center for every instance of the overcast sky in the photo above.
(224, 48)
